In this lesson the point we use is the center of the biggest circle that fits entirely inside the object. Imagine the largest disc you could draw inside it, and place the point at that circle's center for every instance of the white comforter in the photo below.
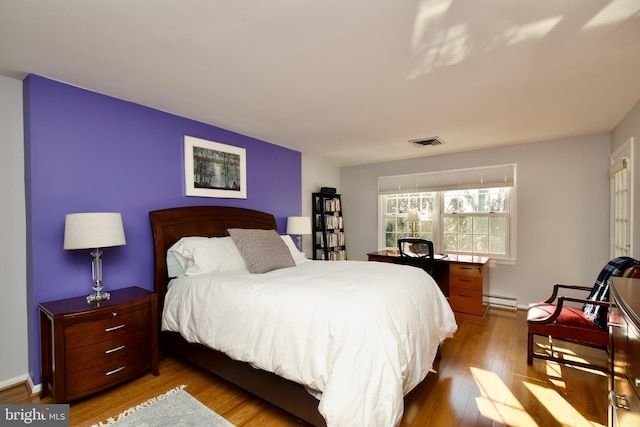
(362, 333)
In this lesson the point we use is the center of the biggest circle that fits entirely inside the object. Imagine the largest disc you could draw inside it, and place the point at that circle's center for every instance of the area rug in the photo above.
(175, 408)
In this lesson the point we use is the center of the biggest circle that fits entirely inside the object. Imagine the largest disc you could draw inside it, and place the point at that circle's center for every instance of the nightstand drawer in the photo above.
(101, 375)
(109, 326)
(80, 358)
(466, 301)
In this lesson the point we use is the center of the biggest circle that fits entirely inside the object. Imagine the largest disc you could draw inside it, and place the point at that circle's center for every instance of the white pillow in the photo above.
(200, 255)
(298, 256)
(174, 266)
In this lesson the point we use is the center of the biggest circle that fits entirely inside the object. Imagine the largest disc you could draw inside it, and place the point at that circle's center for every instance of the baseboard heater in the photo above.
(501, 301)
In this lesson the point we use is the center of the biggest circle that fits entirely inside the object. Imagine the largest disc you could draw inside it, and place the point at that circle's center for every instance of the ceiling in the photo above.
(348, 80)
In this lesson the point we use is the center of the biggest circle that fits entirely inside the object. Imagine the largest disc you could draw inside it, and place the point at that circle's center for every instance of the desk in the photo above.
(464, 279)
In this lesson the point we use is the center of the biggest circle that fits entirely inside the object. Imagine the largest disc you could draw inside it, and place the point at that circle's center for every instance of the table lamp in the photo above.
(412, 218)
(94, 230)
(299, 225)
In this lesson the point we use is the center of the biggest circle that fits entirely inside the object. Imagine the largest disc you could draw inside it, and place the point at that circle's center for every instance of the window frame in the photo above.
(439, 215)
(621, 200)
(382, 218)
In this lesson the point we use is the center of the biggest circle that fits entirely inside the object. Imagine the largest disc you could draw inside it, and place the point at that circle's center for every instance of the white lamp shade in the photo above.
(412, 215)
(298, 225)
(93, 230)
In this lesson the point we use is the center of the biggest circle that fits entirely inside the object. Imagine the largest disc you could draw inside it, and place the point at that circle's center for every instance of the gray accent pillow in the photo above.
(262, 250)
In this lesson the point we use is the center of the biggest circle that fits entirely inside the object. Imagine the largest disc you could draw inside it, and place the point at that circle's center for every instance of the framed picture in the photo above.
(212, 169)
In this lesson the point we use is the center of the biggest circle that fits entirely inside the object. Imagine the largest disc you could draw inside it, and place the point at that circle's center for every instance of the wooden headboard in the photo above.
(170, 225)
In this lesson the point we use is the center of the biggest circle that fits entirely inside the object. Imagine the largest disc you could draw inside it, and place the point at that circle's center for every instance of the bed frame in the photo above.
(169, 225)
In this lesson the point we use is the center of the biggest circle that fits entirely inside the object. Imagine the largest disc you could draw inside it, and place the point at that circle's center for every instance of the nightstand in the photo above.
(86, 348)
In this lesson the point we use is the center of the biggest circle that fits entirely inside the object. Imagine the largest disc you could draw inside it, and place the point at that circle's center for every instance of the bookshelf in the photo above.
(328, 227)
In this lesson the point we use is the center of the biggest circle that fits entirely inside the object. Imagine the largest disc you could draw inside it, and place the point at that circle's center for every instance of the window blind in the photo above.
(458, 179)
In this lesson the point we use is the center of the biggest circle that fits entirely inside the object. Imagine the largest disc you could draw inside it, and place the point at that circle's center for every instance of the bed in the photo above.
(346, 358)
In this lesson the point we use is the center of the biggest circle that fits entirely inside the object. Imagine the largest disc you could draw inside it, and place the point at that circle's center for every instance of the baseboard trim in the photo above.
(35, 388)
(21, 379)
(11, 382)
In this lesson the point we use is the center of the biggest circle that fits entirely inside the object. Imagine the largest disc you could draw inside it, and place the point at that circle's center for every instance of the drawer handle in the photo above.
(115, 371)
(465, 280)
(615, 325)
(113, 350)
(465, 296)
(115, 328)
(614, 398)
(465, 268)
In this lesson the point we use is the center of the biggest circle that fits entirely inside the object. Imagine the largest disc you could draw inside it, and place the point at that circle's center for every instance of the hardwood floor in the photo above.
(482, 379)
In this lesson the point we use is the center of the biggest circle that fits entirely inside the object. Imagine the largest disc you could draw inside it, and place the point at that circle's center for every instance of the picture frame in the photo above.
(213, 169)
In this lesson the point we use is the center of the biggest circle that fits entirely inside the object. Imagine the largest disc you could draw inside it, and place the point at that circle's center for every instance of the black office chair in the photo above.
(416, 252)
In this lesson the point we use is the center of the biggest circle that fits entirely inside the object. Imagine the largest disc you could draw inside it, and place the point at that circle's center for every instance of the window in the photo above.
(621, 190)
(397, 207)
(476, 221)
(467, 220)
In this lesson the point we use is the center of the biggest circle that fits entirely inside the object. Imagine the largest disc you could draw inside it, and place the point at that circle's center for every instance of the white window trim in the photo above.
(624, 153)
(503, 175)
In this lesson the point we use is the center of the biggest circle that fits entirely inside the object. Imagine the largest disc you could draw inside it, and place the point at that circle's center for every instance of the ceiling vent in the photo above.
(426, 141)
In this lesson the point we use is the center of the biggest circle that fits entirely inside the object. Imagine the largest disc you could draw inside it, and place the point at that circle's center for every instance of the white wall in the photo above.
(628, 128)
(316, 173)
(13, 285)
(562, 210)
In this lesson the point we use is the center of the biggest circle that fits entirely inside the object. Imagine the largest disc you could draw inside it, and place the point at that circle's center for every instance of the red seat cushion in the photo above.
(572, 324)
(632, 272)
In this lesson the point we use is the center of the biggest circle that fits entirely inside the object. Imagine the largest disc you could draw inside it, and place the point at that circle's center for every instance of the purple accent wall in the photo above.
(87, 152)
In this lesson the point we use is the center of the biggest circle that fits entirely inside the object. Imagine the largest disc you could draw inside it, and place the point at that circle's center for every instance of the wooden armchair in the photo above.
(586, 325)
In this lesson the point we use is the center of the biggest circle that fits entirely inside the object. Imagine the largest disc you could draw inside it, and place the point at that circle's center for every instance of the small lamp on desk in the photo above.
(412, 218)
(299, 225)
(94, 231)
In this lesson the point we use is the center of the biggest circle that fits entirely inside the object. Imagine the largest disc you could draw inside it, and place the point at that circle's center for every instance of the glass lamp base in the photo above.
(96, 272)
(98, 295)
